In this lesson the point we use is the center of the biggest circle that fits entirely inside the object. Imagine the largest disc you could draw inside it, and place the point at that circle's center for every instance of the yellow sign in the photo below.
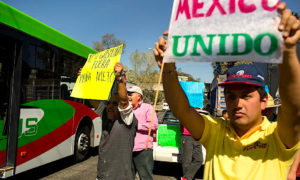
(97, 75)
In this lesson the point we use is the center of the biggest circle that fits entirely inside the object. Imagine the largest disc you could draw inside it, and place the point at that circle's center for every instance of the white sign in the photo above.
(224, 30)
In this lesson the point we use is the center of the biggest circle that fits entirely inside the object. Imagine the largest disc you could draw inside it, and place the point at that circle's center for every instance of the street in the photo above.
(65, 169)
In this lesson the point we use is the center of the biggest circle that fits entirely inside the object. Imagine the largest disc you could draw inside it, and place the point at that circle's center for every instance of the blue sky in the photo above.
(138, 22)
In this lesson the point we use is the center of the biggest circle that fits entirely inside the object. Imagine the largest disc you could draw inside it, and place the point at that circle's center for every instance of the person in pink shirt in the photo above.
(142, 158)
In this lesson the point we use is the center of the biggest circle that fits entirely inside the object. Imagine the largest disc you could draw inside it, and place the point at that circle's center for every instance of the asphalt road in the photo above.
(66, 169)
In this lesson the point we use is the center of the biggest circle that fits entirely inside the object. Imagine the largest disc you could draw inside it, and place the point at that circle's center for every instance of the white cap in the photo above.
(135, 89)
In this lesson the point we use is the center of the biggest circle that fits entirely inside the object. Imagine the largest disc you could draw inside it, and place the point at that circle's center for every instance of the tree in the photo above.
(108, 41)
(145, 74)
(144, 66)
(131, 76)
(136, 61)
(222, 67)
(150, 65)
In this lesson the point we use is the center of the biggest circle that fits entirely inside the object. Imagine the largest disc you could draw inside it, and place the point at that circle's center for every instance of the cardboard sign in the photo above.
(97, 75)
(194, 92)
(224, 30)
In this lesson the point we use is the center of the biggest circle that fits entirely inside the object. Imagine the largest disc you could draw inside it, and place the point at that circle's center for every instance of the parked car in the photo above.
(167, 141)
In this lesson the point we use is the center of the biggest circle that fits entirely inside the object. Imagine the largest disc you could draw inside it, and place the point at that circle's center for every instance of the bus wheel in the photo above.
(82, 143)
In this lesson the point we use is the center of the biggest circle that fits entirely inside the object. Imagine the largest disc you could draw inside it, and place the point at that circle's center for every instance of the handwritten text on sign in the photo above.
(224, 30)
(97, 75)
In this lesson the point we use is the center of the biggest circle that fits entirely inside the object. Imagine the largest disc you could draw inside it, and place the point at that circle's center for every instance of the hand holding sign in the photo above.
(160, 48)
(289, 26)
(118, 70)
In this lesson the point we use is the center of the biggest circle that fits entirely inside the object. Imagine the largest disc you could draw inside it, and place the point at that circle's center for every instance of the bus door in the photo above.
(10, 80)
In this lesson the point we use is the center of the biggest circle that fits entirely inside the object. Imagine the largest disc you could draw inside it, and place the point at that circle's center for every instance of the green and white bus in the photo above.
(39, 121)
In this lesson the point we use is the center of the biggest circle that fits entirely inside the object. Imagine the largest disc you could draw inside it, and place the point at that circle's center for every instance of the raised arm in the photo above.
(289, 79)
(174, 94)
(122, 91)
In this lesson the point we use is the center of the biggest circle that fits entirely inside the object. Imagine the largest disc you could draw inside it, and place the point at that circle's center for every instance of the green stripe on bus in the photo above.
(56, 113)
(21, 21)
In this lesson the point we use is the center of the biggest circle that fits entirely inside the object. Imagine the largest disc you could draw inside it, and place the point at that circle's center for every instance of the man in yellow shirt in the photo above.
(247, 146)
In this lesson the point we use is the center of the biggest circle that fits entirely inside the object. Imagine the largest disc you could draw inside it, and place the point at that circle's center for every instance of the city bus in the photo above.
(39, 121)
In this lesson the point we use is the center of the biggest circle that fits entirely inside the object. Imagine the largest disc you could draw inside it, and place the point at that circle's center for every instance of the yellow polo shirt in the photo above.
(258, 154)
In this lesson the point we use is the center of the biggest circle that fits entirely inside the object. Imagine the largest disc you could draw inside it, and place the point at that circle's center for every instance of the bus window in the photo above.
(38, 75)
(68, 67)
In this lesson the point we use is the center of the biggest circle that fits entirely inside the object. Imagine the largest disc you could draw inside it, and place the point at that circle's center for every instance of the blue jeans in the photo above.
(143, 164)
(191, 156)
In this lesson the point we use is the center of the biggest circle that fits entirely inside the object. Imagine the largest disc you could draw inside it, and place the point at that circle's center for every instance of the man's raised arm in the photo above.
(289, 79)
(174, 94)
(122, 91)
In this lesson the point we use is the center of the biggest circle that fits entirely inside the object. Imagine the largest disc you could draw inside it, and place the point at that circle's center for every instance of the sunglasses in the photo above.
(115, 103)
